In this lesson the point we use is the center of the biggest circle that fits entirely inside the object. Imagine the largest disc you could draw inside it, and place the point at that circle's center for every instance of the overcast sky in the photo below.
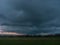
(30, 16)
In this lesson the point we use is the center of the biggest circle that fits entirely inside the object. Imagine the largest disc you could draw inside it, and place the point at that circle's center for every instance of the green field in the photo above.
(30, 41)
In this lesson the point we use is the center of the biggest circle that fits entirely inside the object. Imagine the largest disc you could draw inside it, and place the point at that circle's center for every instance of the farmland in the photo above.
(30, 41)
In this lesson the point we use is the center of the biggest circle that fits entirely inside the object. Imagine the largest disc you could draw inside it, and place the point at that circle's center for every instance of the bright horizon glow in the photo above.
(9, 33)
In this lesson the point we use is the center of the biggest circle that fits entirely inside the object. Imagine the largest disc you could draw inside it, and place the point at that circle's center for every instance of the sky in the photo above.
(30, 16)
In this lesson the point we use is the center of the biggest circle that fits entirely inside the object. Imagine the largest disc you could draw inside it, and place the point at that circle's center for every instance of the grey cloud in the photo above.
(30, 16)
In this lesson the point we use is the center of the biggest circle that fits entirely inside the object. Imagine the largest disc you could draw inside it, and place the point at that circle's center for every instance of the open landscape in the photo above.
(30, 41)
(29, 22)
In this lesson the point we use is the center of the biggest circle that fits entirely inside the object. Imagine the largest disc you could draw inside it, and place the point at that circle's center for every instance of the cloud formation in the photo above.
(30, 16)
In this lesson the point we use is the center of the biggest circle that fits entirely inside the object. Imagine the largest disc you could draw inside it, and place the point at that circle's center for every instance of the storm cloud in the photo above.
(30, 16)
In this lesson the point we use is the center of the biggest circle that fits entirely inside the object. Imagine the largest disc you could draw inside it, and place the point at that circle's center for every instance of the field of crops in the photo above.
(30, 41)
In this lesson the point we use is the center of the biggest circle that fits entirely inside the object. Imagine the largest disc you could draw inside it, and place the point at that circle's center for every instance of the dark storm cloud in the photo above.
(30, 16)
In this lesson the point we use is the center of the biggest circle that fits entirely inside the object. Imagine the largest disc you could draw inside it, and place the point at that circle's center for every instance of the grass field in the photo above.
(30, 41)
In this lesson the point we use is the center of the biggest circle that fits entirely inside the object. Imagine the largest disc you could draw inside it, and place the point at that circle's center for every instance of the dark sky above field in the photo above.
(30, 16)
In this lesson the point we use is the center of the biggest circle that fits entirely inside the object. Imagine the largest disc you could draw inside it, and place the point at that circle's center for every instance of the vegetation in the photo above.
(30, 41)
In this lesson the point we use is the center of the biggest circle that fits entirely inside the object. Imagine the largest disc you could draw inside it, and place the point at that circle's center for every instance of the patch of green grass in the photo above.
(30, 41)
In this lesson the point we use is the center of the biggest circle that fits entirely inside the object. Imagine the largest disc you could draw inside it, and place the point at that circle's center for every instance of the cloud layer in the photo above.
(30, 16)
